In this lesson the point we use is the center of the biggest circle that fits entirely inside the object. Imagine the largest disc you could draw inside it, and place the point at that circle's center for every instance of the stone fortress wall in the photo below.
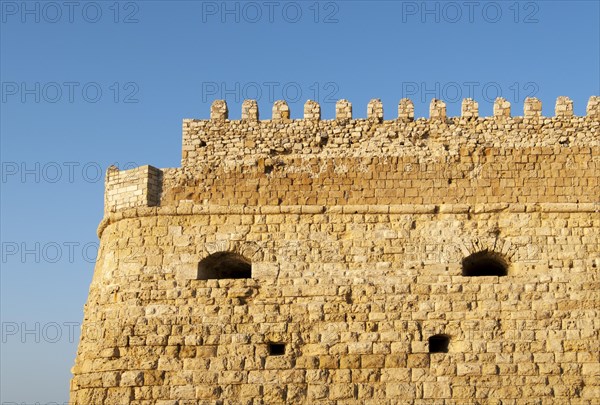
(353, 250)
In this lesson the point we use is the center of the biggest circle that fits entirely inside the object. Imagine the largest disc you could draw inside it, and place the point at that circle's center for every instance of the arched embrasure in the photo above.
(223, 265)
(484, 263)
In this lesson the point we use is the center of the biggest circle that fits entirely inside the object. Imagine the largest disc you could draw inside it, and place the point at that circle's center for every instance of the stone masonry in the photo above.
(448, 260)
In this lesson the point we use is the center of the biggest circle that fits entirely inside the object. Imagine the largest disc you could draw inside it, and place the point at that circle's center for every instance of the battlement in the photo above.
(466, 159)
(219, 111)
(220, 141)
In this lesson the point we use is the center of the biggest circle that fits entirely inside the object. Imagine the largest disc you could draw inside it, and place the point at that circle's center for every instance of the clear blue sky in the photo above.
(95, 83)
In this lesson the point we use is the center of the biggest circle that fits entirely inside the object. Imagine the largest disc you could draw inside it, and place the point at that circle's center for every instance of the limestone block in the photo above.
(265, 270)
(110, 352)
(132, 379)
(436, 390)
(187, 271)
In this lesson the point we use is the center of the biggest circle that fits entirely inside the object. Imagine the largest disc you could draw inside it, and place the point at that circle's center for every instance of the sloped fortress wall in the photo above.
(448, 260)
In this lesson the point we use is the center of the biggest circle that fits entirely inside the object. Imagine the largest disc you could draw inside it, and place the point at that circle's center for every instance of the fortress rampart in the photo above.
(448, 260)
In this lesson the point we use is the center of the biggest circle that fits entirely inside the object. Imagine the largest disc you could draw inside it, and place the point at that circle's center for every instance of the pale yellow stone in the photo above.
(355, 231)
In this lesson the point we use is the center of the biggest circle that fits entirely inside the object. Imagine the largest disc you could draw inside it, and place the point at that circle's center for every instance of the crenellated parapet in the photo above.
(221, 140)
(312, 147)
(532, 108)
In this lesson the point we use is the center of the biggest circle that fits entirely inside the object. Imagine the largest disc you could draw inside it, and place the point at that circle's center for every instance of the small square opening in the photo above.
(276, 349)
(439, 344)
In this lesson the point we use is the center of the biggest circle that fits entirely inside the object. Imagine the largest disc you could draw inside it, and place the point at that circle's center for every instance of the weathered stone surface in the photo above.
(357, 240)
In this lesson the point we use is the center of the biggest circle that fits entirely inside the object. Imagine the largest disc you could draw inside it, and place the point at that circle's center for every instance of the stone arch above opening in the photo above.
(224, 265)
(484, 263)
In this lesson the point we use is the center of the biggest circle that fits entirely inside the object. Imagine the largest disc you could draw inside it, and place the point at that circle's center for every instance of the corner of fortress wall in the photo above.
(139, 187)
